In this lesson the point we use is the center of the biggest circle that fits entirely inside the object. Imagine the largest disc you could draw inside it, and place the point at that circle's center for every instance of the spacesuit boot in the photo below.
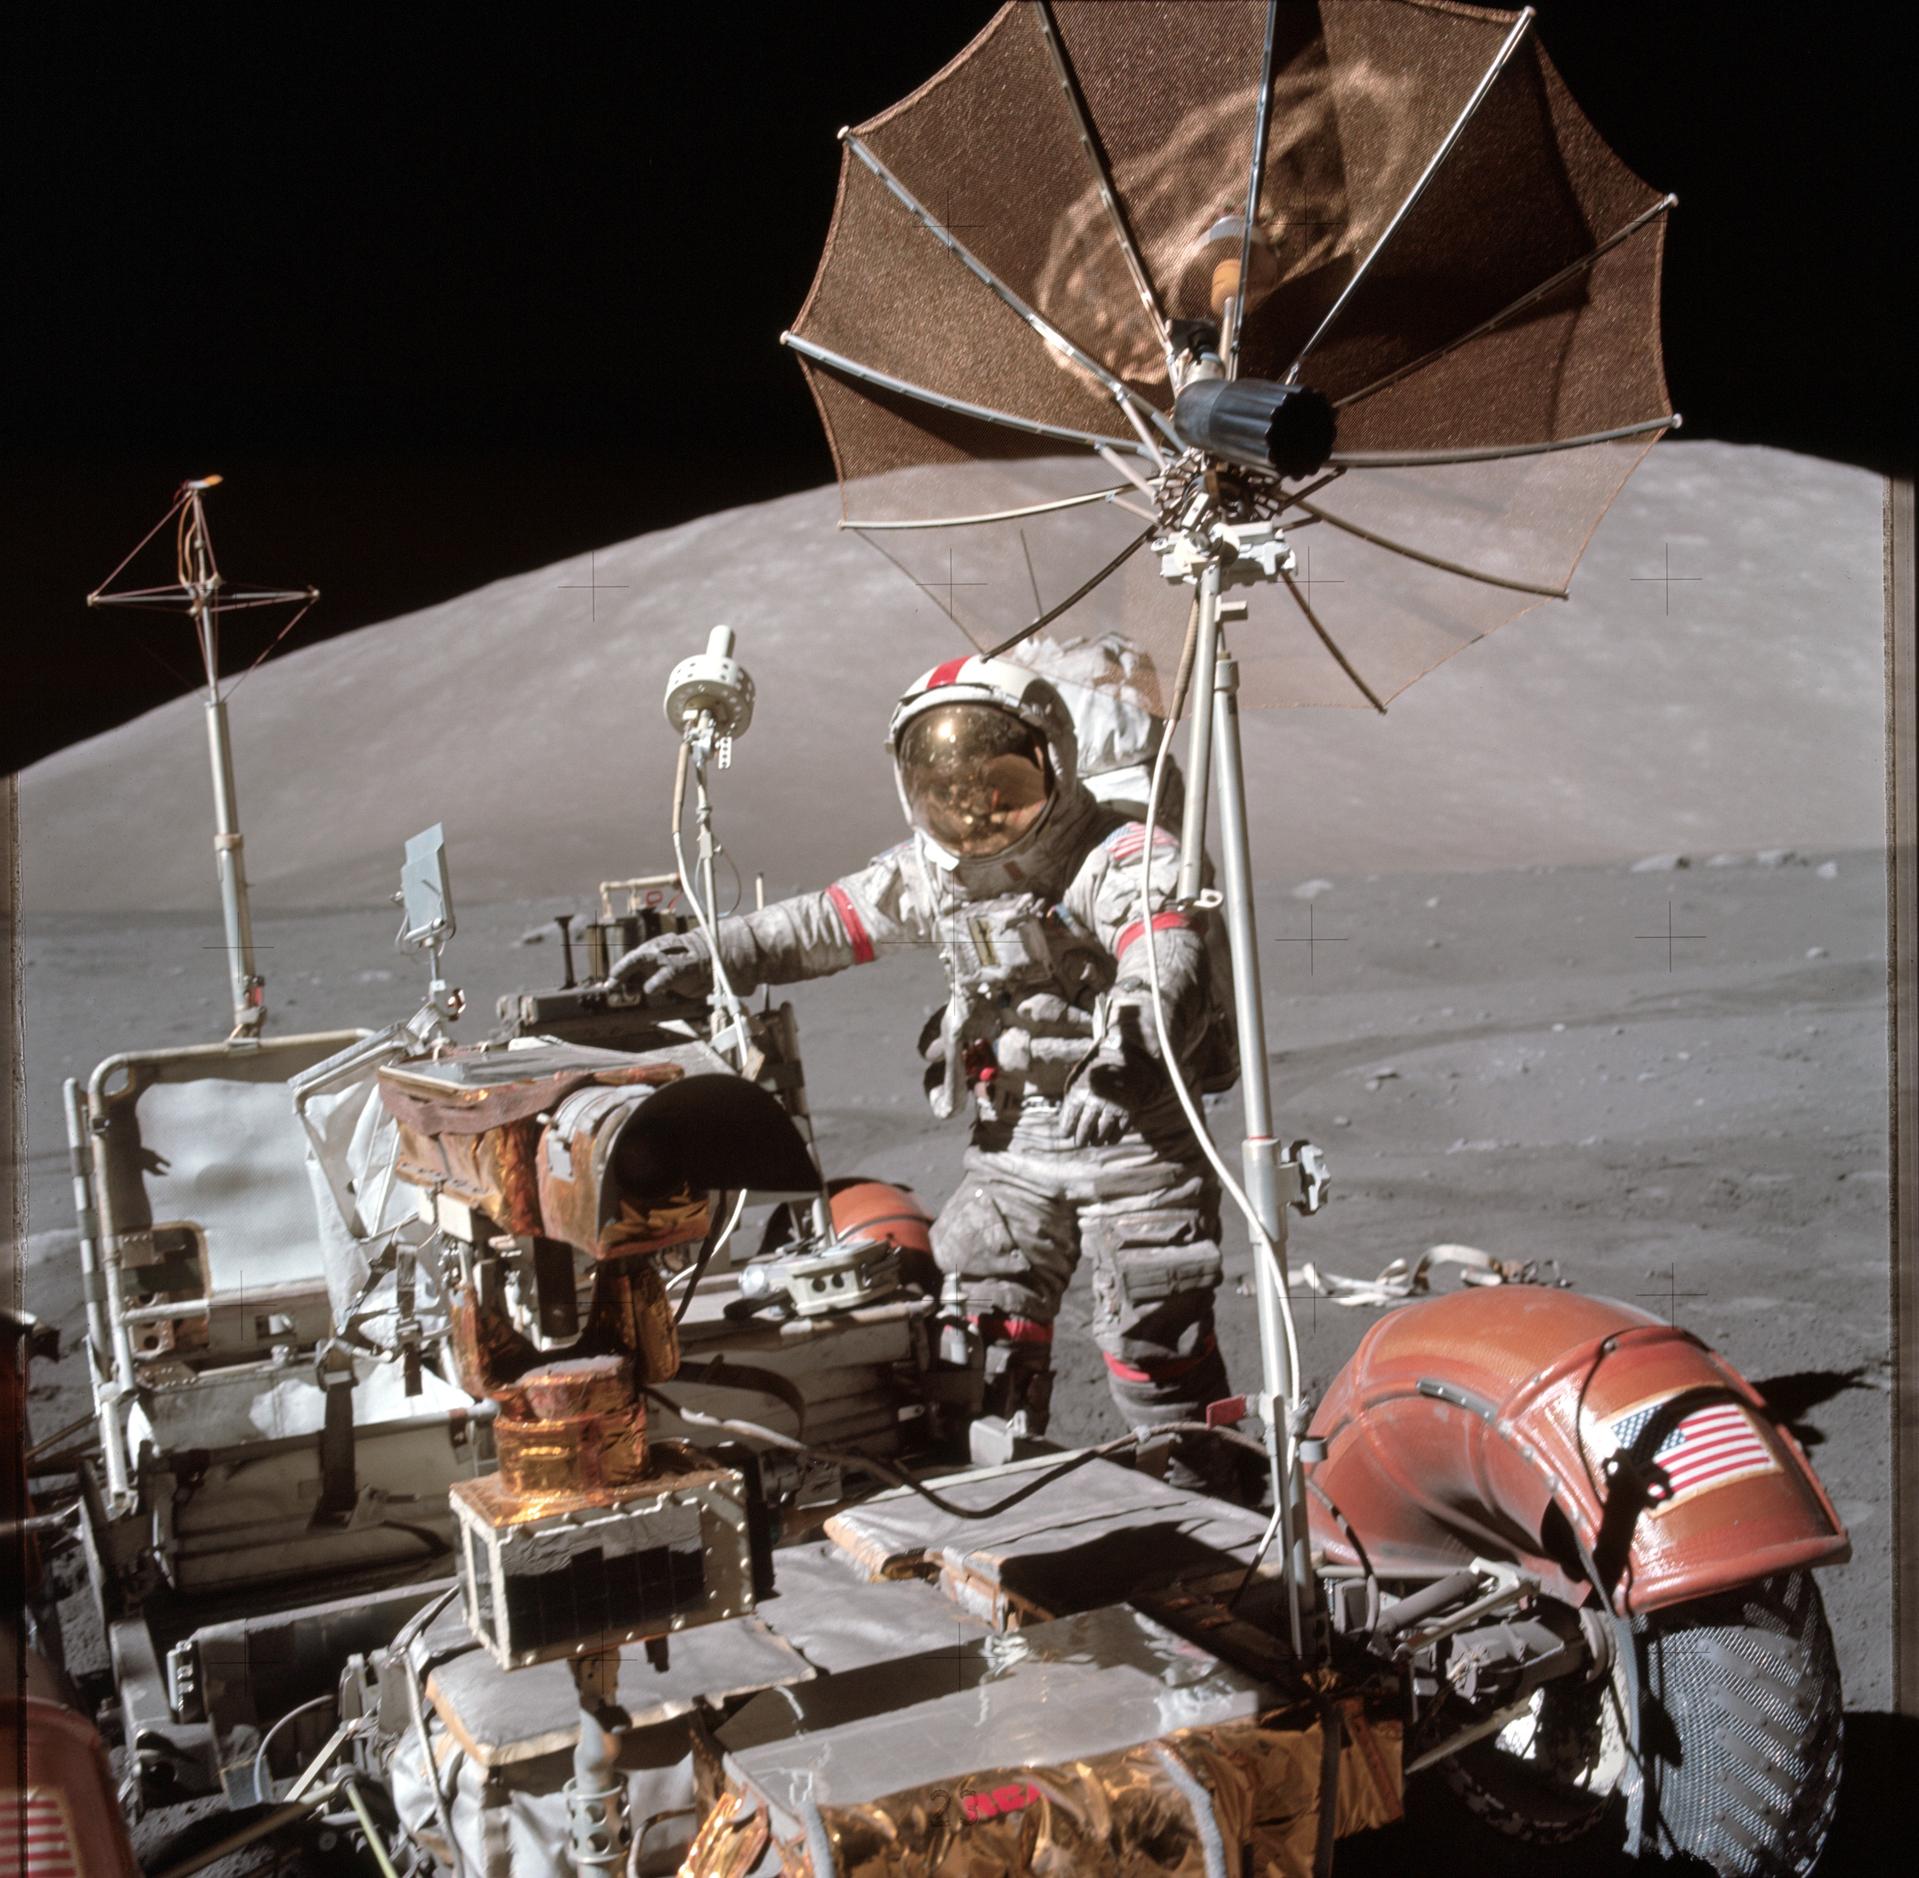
(1152, 1393)
(1006, 1363)
(1018, 1372)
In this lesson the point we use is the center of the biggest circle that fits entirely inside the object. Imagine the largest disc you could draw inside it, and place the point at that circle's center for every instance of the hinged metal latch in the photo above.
(1305, 1176)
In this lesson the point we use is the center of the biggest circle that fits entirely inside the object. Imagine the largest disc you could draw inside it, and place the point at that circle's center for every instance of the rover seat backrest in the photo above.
(214, 1275)
(207, 1228)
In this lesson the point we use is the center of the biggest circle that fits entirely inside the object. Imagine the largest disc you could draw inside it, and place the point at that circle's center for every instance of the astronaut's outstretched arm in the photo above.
(809, 935)
(1127, 921)
(1125, 1071)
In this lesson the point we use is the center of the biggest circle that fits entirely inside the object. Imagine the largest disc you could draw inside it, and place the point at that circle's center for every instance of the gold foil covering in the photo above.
(654, 1226)
(590, 1455)
(631, 1311)
(495, 1172)
(1127, 1814)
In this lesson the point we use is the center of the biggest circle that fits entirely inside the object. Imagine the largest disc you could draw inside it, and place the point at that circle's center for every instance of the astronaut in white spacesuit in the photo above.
(1030, 889)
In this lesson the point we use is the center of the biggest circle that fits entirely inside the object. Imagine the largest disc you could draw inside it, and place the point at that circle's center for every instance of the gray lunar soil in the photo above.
(1485, 1024)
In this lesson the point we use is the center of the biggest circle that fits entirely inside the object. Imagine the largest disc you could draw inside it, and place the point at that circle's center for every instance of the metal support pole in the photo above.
(250, 1834)
(1199, 742)
(93, 1291)
(114, 1380)
(600, 1827)
(1260, 1153)
(703, 819)
(109, 1349)
(249, 1000)
(728, 1012)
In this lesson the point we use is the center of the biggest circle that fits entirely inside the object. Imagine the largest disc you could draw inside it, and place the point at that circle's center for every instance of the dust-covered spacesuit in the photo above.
(1030, 889)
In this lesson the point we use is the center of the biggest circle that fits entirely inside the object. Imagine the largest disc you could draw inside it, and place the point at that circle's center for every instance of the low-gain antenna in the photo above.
(426, 920)
(201, 592)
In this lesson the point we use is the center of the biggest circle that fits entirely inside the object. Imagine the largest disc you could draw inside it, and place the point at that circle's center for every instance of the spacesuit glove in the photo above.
(1121, 1079)
(931, 1044)
(1090, 1116)
(676, 963)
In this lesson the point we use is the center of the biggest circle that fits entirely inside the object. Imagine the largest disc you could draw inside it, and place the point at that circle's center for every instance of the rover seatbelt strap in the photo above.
(339, 1484)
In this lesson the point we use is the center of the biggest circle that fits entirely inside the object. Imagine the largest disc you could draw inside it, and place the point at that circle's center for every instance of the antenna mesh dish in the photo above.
(1512, 306)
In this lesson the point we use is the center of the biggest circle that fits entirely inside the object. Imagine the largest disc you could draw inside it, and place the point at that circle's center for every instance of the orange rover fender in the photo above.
(58, 1811)
(1580, 1438)
(876, 1209)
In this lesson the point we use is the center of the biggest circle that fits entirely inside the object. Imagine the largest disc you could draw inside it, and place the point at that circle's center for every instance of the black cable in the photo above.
(436, 1546)
(722, 1219)
(1339, 1519)
(739, 887)
(693, 1284)
(860, 1462)
(1077, 595)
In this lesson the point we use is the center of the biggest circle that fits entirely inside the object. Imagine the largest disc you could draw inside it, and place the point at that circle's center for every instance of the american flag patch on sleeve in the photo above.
(1711, 1446)
(1126, 841)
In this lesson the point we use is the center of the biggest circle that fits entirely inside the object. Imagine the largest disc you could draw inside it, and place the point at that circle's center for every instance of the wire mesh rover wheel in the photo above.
(1741, 1732)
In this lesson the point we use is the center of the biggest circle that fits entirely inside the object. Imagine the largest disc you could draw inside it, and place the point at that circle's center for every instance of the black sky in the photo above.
(446, 295)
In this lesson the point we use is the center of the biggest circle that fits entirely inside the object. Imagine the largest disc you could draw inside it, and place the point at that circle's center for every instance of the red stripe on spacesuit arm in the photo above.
(856, 932)
(1162, 922)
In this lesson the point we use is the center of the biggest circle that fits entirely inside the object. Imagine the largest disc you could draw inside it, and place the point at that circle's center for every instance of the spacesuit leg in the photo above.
(1156, 1268)
(1007, 1246)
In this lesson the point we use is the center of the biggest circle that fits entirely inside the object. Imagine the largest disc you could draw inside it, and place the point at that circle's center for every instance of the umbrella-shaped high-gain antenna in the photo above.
(202, 592)
(1200, 280)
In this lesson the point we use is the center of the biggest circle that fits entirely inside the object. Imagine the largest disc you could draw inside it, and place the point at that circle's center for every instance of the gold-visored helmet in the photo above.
(982, 748)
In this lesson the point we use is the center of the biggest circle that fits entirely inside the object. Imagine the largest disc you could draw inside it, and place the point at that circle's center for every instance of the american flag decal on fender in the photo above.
(1710, 1446)
(36, 1825)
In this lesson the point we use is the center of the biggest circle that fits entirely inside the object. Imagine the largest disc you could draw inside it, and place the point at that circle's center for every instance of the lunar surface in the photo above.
(1577, 957)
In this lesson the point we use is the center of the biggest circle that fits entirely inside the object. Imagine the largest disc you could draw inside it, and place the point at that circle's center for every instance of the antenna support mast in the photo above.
(203, 594)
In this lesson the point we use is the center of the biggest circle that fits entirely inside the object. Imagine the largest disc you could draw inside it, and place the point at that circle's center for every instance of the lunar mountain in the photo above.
(1704, 688)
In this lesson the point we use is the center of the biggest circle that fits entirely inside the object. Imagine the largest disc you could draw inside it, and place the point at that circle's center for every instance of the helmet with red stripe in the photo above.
(982, 750)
